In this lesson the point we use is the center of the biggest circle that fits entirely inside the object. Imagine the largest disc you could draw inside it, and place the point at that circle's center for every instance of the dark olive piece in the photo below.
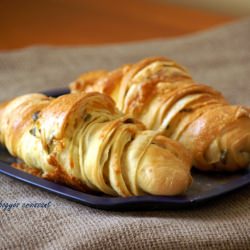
(186, 110)
(33, 131)
(87, 117)
(129, 120)
(35, 116)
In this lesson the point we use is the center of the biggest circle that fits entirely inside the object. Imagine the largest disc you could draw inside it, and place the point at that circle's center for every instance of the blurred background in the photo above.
(90, 22)
(230, 7)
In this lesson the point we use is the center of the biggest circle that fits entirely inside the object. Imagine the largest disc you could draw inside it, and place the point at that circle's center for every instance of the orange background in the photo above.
(77, 22)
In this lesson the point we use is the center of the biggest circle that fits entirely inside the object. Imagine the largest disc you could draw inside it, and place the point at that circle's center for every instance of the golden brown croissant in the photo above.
(164, 97)
(82, 140)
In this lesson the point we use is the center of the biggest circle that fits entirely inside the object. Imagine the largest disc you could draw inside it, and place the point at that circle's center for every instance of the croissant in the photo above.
(163, 95)
(83, 141)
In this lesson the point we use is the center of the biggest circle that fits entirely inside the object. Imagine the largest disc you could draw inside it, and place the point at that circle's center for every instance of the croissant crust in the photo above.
(163, 95)
(82, 140)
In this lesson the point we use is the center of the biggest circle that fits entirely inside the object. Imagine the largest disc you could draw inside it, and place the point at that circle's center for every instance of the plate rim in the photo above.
(114, 203)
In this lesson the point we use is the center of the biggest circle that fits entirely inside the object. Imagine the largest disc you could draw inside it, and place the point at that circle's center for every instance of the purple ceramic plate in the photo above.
(204, 188)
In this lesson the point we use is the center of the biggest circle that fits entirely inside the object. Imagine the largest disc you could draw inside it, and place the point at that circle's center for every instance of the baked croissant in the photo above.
(83, 141)
(165, 98)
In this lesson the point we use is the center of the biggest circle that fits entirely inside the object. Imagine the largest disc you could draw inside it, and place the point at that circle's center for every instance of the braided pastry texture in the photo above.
(163, 95)
(82, 140)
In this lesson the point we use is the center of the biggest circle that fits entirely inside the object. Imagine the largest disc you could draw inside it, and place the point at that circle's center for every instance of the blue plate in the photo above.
(205, 186)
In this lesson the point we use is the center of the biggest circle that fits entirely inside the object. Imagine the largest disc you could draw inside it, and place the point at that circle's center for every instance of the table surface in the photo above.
(75, 22)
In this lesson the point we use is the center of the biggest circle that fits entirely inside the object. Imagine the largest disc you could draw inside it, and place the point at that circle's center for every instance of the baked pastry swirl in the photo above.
(163, 95)
(82, 140)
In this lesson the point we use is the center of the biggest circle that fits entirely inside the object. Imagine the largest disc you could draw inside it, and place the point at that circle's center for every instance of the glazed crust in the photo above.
(163, 95)
(83, 141)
